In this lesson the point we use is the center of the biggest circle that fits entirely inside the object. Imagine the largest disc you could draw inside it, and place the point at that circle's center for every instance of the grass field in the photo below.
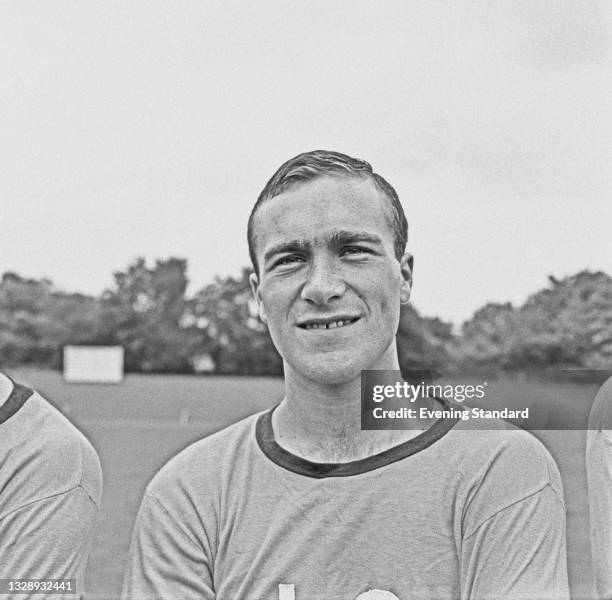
(138, 425)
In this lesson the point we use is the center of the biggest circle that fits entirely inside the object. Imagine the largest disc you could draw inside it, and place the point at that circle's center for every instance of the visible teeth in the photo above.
(332, 325)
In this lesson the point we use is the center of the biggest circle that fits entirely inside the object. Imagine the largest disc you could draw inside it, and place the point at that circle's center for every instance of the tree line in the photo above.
(162, 329)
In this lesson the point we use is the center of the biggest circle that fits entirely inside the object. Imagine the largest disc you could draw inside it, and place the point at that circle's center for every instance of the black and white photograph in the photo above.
(306, 300)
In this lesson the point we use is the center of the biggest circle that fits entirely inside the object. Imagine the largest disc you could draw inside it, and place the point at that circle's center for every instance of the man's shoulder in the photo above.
(45, 455)
(208, 459)
(497, 451)
(488, 466)
(494, 431)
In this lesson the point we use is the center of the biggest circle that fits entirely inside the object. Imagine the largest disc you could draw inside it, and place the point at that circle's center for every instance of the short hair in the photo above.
(310, 165)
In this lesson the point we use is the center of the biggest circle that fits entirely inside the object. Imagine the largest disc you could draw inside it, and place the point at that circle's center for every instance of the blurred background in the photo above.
(137, 136)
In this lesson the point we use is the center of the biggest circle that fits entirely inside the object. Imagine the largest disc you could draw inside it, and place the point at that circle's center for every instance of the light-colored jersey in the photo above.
(50, 492)
(599, 476)
(451, 513)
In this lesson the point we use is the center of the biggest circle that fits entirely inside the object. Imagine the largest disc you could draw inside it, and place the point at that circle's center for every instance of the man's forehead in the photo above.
(321, 206)
(345, 185)
(330, 201)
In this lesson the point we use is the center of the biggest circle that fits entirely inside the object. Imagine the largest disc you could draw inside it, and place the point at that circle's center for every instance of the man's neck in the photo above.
(322, 423)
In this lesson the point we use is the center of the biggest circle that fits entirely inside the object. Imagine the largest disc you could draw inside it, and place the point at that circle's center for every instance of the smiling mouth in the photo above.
(328, 324)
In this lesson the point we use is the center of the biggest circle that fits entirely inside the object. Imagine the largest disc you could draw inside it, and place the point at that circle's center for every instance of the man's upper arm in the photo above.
(49, 538)
(519, 552)
(511, 521)
(165, 561)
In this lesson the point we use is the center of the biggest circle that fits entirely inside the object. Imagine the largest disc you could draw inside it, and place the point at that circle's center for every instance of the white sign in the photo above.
(93, 364)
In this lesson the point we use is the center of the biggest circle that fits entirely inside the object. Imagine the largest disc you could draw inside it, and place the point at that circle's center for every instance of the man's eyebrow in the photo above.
(337, 238)
(351, 237)
(289, 246)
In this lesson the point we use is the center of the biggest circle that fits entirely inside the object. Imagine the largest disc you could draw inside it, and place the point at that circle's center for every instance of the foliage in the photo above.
(36, 320)
(143, 313)
(237, 340)
(424, 343)
(566, 325)
(147, 311)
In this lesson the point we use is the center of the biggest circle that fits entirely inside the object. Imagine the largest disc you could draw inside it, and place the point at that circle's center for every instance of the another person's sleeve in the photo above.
(599, 471)
(49, 539)
(165, 561)
(599, 477)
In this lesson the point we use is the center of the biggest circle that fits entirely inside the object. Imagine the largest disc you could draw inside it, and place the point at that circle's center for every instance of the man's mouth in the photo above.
(328, 323)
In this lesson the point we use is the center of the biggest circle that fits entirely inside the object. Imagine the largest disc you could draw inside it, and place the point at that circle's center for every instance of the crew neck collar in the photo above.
(17, 398)
(264, 434)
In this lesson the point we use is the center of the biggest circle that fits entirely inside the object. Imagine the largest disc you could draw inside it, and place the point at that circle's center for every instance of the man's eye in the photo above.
(355, 250)
(288, 260)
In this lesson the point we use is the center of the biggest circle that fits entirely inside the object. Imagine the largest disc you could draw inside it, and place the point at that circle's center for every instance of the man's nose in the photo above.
(324, 283)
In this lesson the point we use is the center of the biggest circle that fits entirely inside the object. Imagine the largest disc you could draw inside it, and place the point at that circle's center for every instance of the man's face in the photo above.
(329, 285)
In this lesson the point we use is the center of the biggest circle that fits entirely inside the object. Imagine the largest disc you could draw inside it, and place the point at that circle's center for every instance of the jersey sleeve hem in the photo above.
(50, 497)
(512, 504)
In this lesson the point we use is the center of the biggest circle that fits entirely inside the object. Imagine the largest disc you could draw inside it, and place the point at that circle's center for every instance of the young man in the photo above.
(50, 492)
(599, 476)
(299, 503)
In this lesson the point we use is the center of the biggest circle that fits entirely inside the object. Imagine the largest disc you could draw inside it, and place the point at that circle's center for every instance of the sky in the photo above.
(148, 128)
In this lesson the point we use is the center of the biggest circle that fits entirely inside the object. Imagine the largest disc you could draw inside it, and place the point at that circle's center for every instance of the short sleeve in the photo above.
(519, 552)
(599, 477)
(49, 539)
(165, 561)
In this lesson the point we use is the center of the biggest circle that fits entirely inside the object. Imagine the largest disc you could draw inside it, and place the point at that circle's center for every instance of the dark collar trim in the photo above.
(15, 401)
(278, 455)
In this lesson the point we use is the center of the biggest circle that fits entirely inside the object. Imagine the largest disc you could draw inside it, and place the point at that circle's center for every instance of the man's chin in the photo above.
(329, 371)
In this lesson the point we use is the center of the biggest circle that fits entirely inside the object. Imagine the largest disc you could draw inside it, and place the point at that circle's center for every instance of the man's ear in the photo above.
(254, 281)
(406, 266)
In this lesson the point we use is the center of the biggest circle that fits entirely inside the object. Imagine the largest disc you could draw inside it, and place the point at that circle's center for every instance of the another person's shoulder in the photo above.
(45, 455)
(599, 478)
(600, 418)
